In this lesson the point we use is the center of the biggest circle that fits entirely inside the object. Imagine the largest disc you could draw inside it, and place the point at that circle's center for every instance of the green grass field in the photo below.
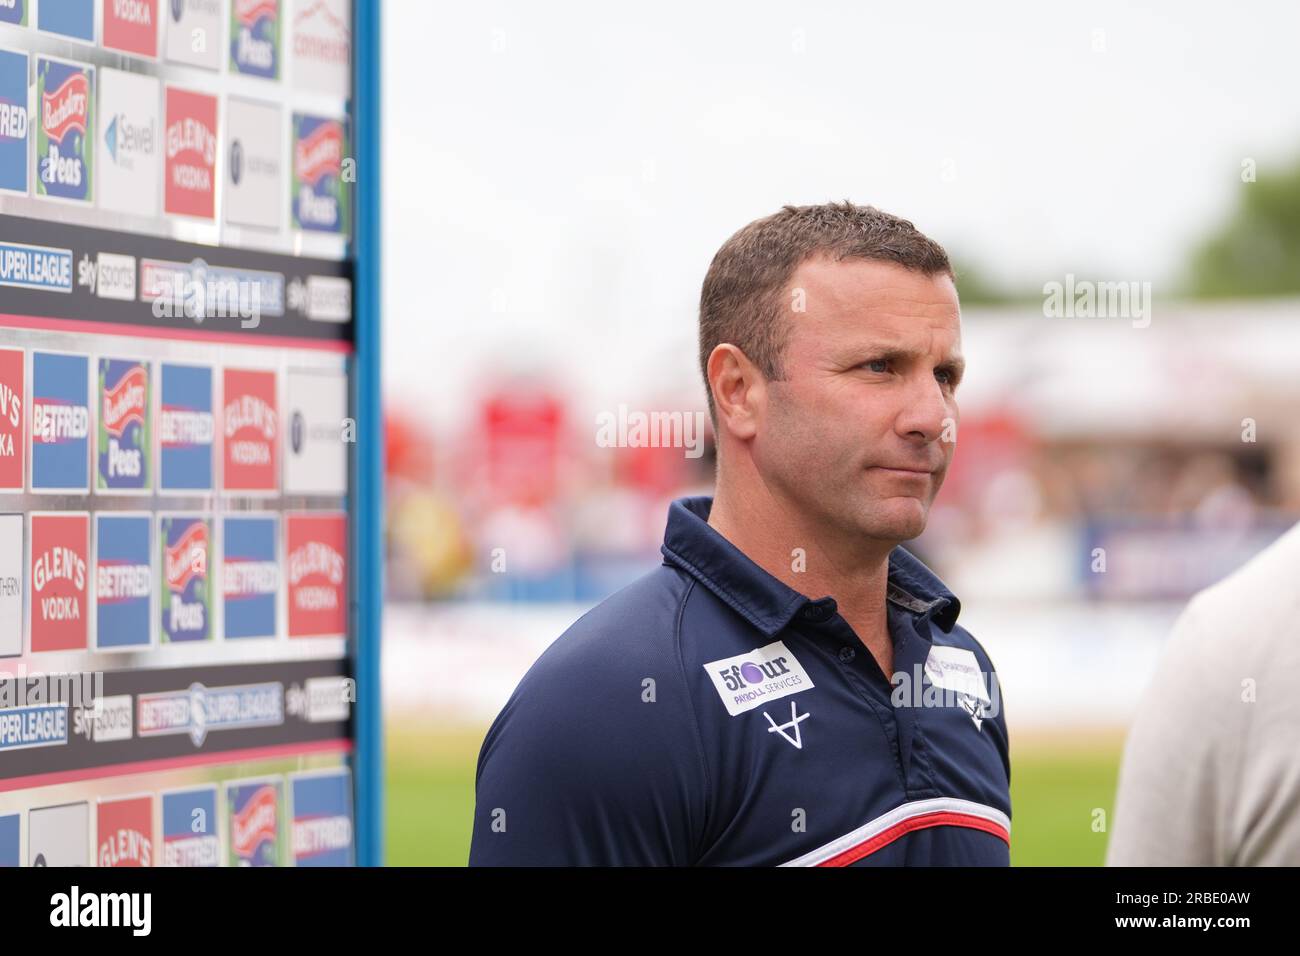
(1057, 785)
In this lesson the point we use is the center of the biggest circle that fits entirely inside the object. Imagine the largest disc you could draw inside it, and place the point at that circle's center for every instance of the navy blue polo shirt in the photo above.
(709, 714)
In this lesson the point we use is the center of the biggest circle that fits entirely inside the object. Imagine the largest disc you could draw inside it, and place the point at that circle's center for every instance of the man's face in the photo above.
(860, 431)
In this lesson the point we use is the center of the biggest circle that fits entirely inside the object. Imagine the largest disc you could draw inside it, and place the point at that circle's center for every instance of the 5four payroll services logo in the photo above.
(189, 820)
(186, 592)
(122, 458)
(319, 190)
(255, 38)
(123, 580)
(198, 710)
(186, 428)
(65, 95)
(757, 677)
(13, 120)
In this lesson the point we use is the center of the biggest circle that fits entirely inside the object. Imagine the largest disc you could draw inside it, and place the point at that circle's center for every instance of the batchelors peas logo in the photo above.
(186, 593)
(318, 199)
(255, 37)
(254, 823)
(62, 147)
(123, 425)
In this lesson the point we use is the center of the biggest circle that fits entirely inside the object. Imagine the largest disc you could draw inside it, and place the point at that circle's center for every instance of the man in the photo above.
(735, 706)
(1211, 771)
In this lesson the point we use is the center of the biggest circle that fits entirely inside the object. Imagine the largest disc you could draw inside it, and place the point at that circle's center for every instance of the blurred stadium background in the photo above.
(558, 180)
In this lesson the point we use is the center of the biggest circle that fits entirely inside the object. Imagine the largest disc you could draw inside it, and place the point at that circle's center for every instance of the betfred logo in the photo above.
(186, 603)
(255, 38)
(59, 576)
(60, 425)
(250, 575)
(64, 97)
(122, 462)
(123, 580)
(316, 570)
(321, 834)
(186, 427)
(13, 119)
(189, 819)
(254, 823)
(125, 832)
(132, 26)
(190, 154)
(250, 428)
(12, 420)
(319, 198)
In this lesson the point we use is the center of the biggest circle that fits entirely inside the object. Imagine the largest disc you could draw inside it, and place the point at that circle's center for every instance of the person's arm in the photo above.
(588, 765)
(1177, 773)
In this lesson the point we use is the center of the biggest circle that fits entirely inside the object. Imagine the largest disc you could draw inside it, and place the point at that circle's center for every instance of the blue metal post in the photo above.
(367, 549)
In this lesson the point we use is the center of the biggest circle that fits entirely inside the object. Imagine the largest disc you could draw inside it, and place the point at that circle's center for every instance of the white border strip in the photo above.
(896, 816)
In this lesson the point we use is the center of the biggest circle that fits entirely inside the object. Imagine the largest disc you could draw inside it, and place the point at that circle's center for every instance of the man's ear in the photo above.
(739, 390)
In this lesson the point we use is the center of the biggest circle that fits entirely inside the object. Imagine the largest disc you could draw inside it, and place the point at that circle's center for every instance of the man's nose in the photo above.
(926, 411)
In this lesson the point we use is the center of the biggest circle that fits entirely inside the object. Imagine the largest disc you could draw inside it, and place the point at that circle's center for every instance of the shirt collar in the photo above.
(693, 545)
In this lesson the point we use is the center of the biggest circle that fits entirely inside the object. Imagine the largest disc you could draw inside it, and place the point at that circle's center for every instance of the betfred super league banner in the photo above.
(253, 811)
(122, 458)
(65, 103)
(320, 195)
(123, 580)
(186, 592)
(255, 38)
(187, 427)
(60, 434)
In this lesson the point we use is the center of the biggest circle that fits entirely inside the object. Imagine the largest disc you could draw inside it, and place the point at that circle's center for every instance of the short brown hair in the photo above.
(742, 299)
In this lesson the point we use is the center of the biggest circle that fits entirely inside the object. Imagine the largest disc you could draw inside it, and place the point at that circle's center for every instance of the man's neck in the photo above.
(780, 541)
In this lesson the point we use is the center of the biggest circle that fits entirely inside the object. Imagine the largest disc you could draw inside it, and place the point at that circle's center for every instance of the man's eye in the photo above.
(944, 376)
(873, 363)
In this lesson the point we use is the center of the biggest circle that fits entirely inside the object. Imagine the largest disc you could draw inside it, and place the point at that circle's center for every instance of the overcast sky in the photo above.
(558, 175)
